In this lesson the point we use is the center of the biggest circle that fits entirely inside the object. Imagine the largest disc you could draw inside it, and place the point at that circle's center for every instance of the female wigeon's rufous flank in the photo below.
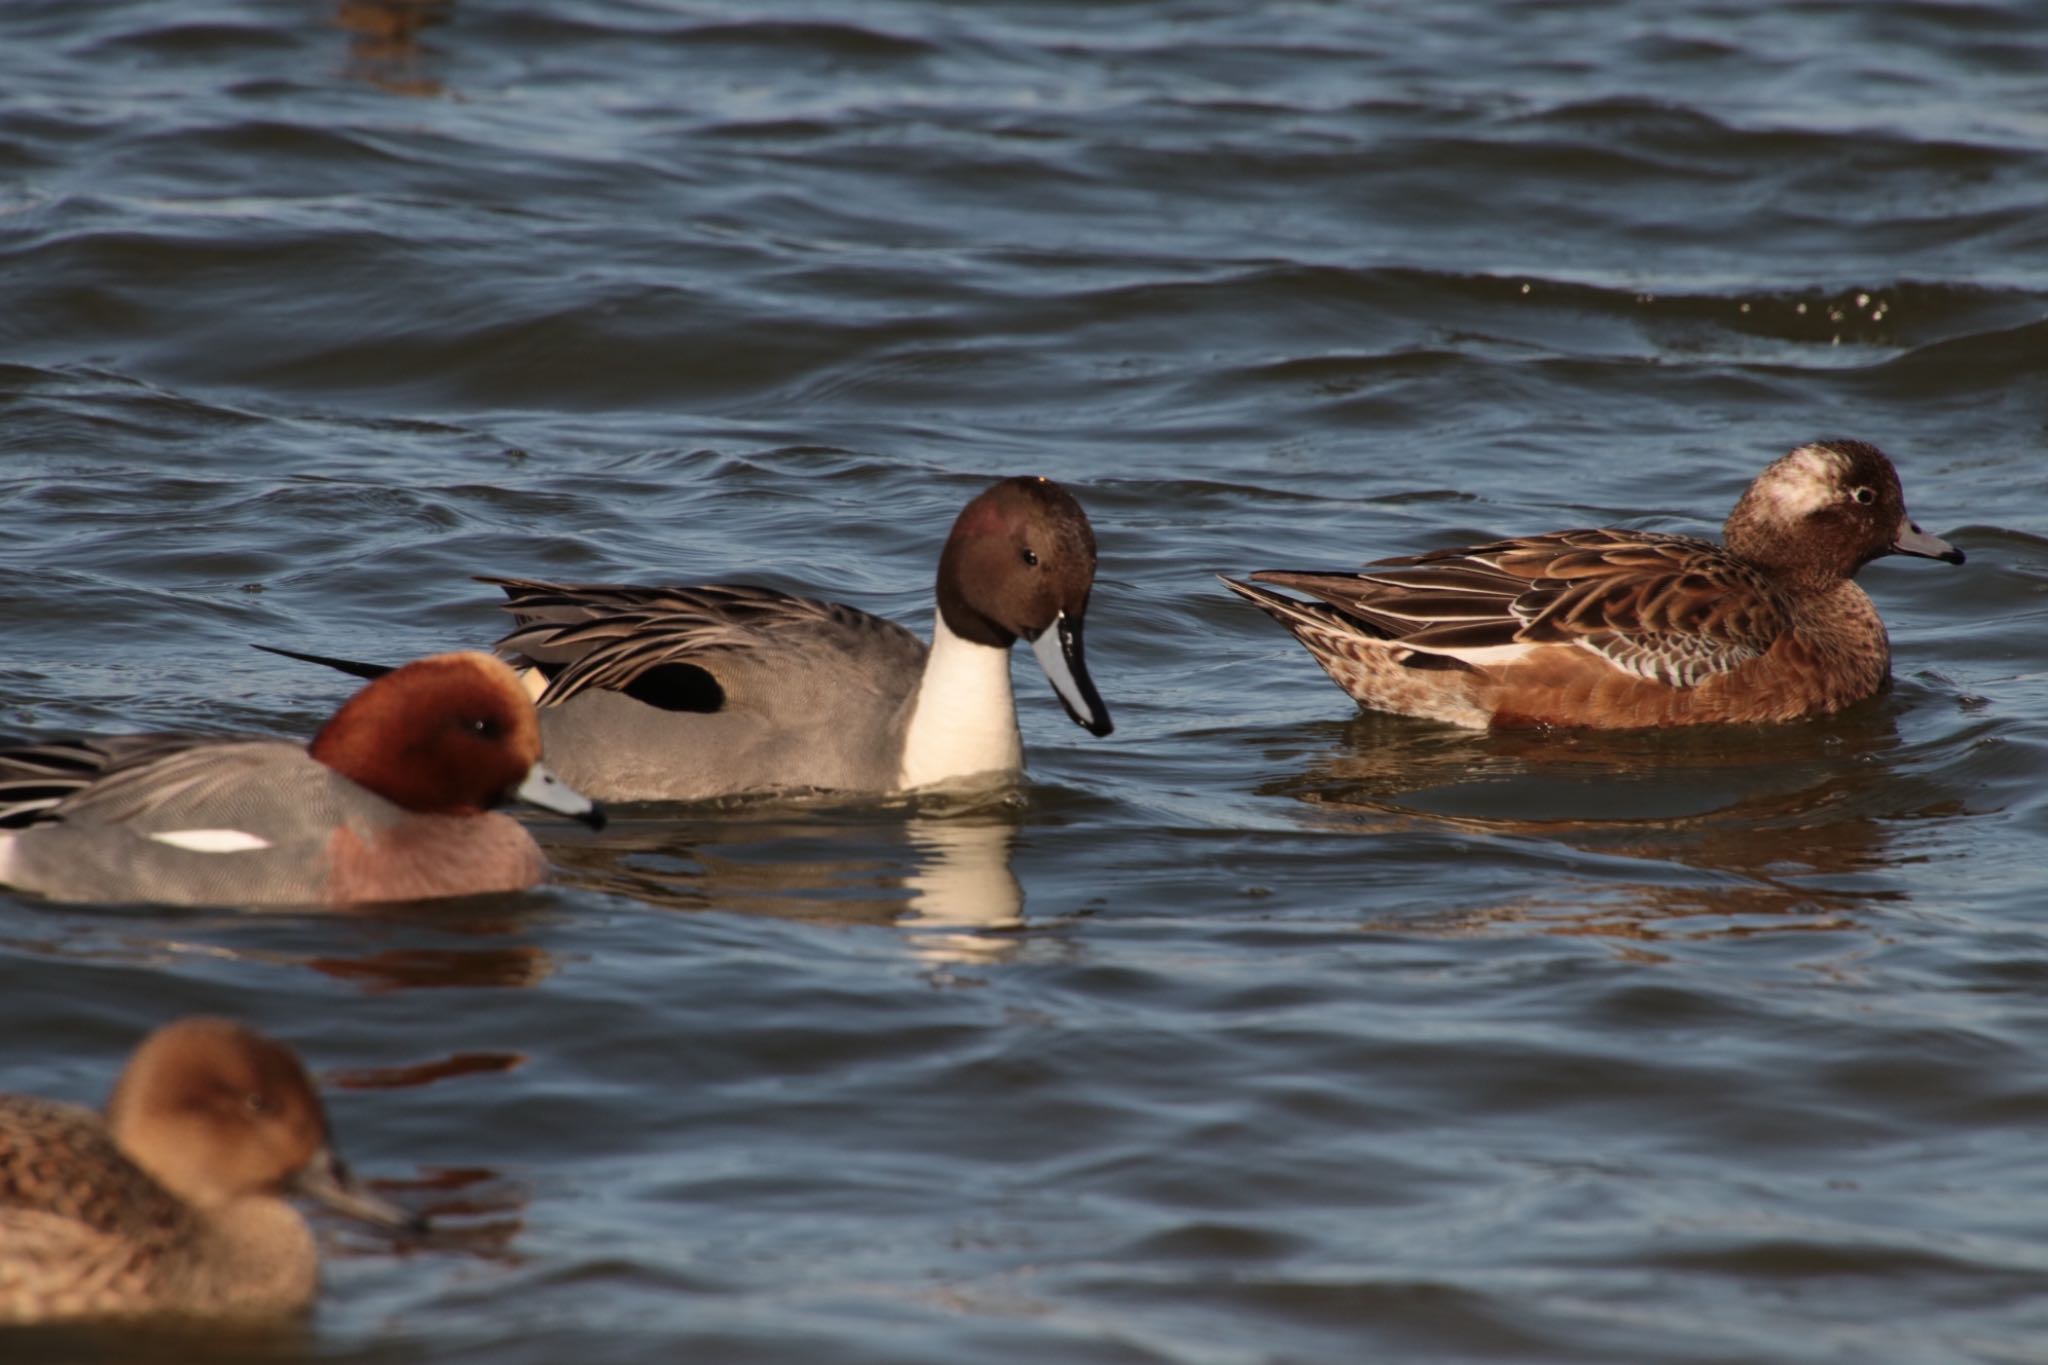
(675, 694)
(393, 800)
(174, 1204)
(1617, 628)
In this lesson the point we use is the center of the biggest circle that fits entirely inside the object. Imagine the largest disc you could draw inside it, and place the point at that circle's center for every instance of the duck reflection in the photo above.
(1714, 826)
(940, 869)
(449, 1193)
(383, 44)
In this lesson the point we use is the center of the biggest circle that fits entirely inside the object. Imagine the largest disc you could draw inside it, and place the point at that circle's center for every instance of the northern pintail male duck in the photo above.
(393, 800)
(1614, 628)
(174, 1204)
(650, 693)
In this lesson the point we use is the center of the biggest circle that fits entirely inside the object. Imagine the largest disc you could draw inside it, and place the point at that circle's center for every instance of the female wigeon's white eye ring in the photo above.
(1864, 495)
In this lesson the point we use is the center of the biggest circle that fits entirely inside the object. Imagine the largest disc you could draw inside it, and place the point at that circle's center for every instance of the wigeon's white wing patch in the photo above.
(212, 840)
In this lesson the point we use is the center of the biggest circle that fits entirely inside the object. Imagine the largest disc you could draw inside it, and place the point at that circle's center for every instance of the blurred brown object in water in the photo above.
(383, 43)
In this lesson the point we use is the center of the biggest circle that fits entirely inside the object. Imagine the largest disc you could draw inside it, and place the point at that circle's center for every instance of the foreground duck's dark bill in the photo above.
(325, 1179)
(1059, 654)
(1911, 540)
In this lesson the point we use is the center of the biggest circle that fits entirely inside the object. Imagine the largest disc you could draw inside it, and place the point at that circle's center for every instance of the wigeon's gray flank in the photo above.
(650, 693)
(1613, 628)
(174, 1204)
(393, 800)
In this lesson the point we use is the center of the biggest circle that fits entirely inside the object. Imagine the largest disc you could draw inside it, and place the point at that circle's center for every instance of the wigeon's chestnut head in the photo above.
(175, 1204)
(394, 800)
(450, 734)
(1614, 628)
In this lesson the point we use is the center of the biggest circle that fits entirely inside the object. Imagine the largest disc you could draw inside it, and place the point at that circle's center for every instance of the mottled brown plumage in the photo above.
(1615, 628)
(172, 1204)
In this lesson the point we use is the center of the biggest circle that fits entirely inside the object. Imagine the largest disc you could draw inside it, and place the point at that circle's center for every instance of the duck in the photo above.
(722, 689)
(175, 1202)
(1615, 629)
(394, 799)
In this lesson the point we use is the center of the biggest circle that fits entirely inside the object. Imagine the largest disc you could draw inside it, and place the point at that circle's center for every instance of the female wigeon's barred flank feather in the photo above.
(1613, 627)
(611, 636)
(1667, 608)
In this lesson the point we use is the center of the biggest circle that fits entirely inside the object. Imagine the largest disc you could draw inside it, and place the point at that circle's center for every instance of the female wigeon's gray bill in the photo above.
(1911, 540)
(172, 1203)
(394, 799)
(1614, 628)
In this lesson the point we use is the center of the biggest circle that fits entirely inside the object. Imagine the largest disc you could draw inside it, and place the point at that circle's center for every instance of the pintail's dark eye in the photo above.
(1865, 495)
(482, 726)
(1030, 556)
(254, 1102)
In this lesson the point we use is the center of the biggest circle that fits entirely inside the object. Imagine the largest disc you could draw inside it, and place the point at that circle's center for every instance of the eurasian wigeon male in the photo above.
(1612, 628)
(174, 1203)
(393, 800)
(683, 693)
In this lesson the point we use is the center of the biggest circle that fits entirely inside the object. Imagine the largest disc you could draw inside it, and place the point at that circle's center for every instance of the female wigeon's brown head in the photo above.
(451, 734)
(1020, 562)
(216, 1112)
(1824, 511)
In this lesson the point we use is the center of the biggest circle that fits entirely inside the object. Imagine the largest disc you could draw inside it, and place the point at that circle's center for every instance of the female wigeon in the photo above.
(676, 694)
(174, 1203)
(393, 800)
(1616, 628)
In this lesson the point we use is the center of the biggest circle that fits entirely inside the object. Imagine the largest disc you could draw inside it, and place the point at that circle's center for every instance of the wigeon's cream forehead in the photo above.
(1803, 482)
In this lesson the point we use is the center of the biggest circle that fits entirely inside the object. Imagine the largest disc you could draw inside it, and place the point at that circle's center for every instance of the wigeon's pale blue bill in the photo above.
(1059, 653)
(544, 790)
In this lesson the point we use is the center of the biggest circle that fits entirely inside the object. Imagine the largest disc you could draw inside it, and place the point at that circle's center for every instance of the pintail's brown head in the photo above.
(1020, 563)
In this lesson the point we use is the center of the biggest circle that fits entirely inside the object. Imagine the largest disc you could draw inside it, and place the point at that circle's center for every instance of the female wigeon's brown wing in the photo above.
(1670, 609)
(680, 648)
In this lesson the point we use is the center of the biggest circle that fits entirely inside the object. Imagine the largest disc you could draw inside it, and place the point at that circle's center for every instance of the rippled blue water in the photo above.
(1262, 1031)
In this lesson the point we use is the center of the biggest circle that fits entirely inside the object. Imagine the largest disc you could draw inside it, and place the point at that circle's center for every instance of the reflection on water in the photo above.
(939, 869)
(1714, 827)
(383, 43)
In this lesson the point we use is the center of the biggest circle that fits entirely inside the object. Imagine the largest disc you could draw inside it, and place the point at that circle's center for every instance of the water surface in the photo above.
(1262, 1031)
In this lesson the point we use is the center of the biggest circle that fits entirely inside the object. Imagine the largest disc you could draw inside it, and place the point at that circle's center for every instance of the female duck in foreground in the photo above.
(393, 800)
(1619, 628)
(174, 1204)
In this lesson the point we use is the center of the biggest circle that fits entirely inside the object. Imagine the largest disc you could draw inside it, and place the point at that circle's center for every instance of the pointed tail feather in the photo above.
(352, 667)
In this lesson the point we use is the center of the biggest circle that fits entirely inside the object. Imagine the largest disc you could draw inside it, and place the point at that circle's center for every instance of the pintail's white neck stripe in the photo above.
(963, 720)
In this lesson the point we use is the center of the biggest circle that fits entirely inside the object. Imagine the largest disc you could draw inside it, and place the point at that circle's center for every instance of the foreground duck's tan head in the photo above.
(218, 1113)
